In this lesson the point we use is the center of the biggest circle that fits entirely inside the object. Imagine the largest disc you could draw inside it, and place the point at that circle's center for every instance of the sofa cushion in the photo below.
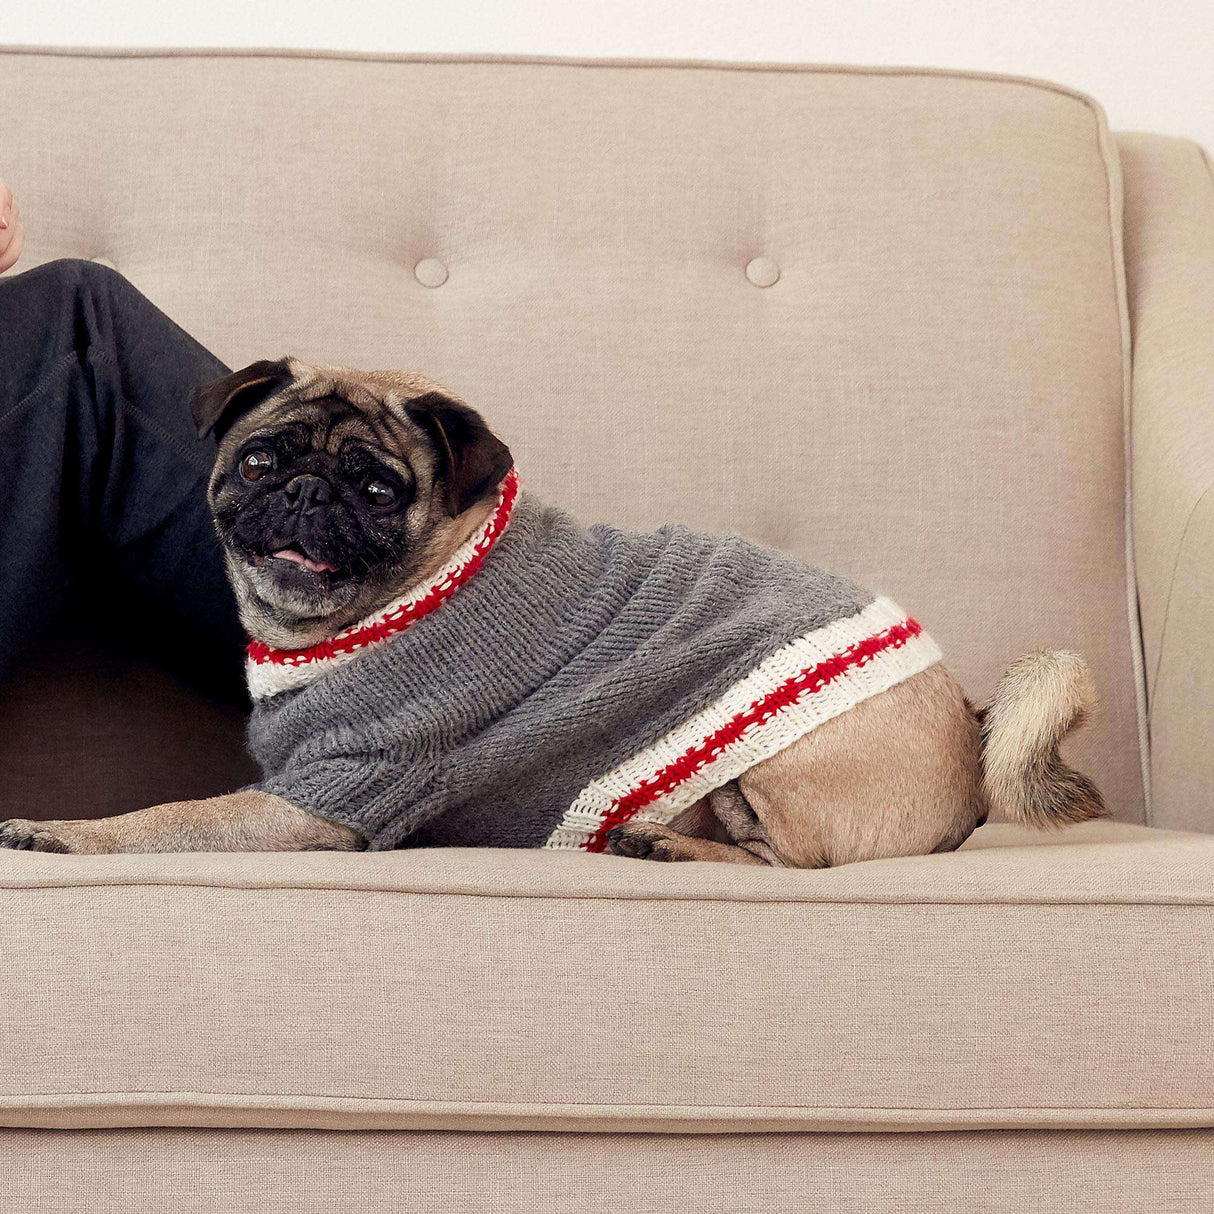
(1026, 980)
(929, 398)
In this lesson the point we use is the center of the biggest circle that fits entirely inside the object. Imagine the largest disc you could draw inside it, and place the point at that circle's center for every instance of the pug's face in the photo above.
(336, 490)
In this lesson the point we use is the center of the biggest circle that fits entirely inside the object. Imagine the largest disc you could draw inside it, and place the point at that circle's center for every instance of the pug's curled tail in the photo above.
(1041, 698)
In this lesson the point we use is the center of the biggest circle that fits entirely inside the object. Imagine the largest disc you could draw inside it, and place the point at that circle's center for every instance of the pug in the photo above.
(439, 658)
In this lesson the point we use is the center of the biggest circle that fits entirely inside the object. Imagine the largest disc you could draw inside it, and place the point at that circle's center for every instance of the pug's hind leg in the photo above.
(730, 834)
(740, 822)
(653, 841)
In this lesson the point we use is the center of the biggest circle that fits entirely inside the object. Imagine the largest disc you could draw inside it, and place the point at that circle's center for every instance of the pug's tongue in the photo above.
(289, 554)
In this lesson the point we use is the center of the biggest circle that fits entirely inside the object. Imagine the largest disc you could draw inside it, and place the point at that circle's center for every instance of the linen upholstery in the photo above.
(928, 398)
(200, 1171)
(1015, 983)
(1169, 239)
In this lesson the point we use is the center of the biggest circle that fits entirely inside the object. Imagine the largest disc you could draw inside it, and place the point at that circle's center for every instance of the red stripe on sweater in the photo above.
(808, 681)
(399, 619)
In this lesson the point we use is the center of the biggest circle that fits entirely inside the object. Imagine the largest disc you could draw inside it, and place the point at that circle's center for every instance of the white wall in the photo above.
(1150, 62)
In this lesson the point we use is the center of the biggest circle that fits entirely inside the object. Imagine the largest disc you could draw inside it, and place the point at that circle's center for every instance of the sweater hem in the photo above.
(814, 678)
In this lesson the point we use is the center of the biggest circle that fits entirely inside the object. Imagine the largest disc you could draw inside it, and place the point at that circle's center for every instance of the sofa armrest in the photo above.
(1169, 246)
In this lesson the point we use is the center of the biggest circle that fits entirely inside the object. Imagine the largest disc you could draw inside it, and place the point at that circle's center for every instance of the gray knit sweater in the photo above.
(579, 677)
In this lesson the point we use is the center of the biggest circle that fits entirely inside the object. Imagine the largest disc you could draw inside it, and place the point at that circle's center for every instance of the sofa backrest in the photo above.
(875, 317)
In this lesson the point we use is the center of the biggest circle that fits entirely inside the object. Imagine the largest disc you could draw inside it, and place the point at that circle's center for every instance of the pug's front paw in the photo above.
(19, 834)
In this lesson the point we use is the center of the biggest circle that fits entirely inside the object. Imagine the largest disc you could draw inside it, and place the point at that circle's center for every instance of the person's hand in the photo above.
(12, 232)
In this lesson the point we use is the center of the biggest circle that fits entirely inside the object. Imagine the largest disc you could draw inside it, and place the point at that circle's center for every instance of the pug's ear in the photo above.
(472, 459)
(214, 406)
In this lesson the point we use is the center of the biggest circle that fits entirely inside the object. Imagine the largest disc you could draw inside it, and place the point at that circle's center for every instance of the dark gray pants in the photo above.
(103, 516)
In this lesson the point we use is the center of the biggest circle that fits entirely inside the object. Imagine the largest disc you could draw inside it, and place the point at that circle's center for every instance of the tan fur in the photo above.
(897, 775)
(242, 821)
(1042, 697)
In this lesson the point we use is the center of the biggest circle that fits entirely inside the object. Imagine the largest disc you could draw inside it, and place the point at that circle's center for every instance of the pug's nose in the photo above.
(308, 491)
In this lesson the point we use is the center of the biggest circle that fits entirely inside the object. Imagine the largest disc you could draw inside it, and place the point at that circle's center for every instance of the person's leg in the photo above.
(103, 515)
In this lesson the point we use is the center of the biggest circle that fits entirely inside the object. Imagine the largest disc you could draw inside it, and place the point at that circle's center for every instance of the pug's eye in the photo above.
(380, 494)
(256, 464)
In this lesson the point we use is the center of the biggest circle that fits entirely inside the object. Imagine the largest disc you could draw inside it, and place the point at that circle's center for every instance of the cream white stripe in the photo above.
(269, 678)
(885, 669)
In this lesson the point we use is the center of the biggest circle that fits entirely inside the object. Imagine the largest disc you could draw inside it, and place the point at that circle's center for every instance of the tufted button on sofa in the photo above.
(942, 332)
(430, 272)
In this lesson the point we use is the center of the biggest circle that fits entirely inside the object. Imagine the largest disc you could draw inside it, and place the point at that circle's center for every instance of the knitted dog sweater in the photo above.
(555, 681)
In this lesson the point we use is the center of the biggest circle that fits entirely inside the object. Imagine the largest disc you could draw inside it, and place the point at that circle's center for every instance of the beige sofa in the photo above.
(939, 331)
